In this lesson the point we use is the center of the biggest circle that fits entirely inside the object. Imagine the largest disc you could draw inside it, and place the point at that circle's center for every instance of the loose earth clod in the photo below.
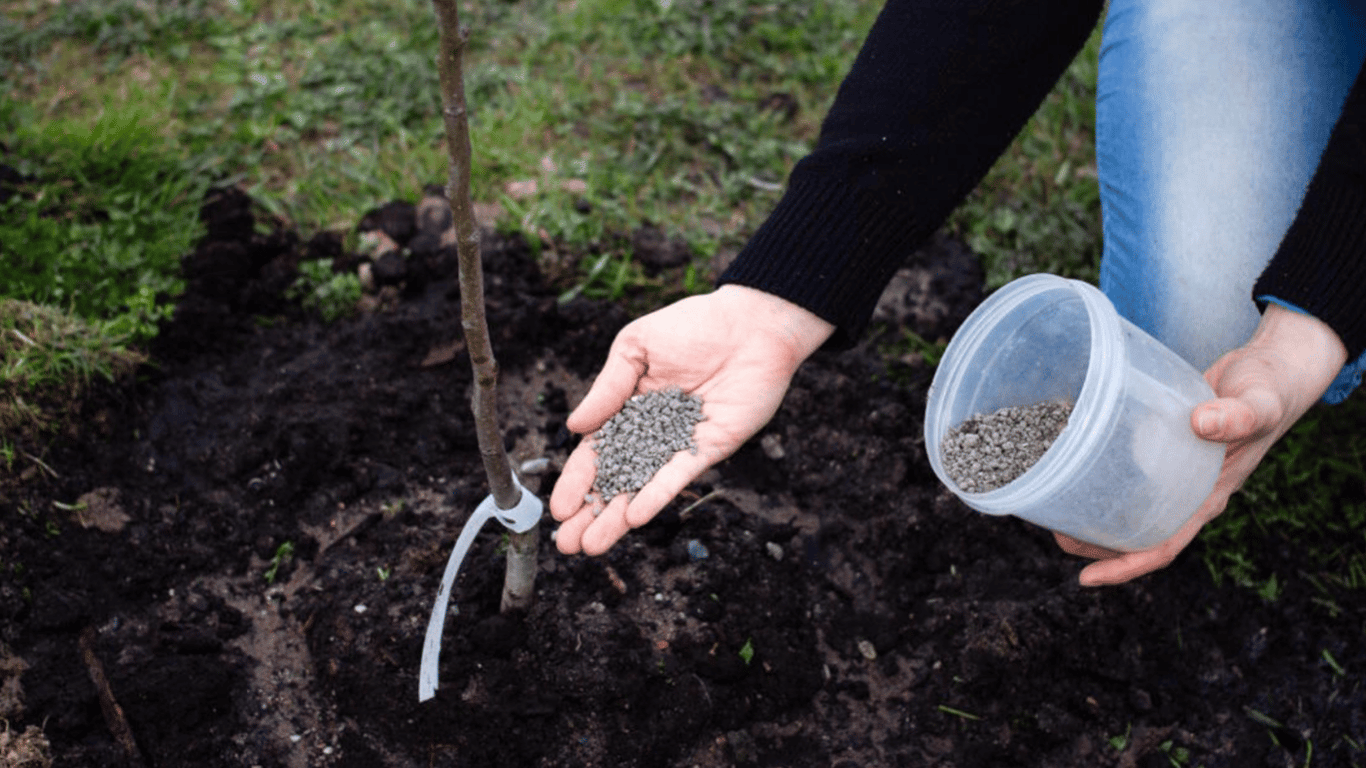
(988, 451)
(646, 433)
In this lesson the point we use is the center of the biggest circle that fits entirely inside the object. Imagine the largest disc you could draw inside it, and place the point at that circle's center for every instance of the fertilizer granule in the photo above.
(647, 432)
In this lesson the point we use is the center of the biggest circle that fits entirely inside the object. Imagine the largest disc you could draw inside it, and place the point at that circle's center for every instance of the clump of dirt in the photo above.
(24, 750)
(848, 612)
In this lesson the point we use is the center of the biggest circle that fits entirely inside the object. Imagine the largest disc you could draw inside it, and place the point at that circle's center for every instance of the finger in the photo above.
(671, 478)
(1125, 567)
(626, 512)
(1131, 565)
(569, 536)
(1228, 419)
(1082, 548)
(607, 528)
(714, 443)
(576, 480)
(615, 382)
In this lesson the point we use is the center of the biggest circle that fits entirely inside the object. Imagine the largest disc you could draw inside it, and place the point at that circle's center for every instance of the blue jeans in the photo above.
(1211, 116)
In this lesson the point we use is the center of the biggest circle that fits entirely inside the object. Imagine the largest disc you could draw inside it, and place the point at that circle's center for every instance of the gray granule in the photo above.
(641, 438)
(988, 451)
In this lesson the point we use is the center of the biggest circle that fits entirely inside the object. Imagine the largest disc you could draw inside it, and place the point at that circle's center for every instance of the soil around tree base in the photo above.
(848, 611)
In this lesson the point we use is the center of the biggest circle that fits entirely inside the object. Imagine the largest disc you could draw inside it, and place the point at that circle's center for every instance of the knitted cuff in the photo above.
(1321, 265)
(830, 250)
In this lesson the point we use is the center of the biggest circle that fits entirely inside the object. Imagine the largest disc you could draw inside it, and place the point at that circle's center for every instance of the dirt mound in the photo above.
(816, 600)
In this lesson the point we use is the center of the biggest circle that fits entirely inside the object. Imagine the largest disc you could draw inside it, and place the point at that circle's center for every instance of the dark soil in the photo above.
(816, 600)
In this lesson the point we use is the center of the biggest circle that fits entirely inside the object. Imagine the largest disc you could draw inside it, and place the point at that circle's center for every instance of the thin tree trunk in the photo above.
(519, 583)
(518, 589)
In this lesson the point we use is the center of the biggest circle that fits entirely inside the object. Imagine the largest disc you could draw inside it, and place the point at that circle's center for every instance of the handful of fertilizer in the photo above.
(642, 437)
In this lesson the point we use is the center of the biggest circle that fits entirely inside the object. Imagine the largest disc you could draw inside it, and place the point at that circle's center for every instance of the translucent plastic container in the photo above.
(1127, 471)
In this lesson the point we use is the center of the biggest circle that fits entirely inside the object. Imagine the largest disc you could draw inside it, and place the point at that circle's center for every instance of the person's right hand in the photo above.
(1262, 388)
(736, 348)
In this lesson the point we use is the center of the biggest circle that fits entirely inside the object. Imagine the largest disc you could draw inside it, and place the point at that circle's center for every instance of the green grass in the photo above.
(1308, 498)
(332, 295)
(100, 225)
(48, 357)
(91, 242)
(322, 108)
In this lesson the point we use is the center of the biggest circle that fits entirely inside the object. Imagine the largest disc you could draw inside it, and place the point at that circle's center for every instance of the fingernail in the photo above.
(1211, 421)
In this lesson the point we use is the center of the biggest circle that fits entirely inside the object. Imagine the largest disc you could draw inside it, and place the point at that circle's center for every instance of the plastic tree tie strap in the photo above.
(520, 519)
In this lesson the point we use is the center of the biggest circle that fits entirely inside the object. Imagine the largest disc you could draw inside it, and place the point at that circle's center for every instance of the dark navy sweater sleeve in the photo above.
(936, 94)
(1320, 266)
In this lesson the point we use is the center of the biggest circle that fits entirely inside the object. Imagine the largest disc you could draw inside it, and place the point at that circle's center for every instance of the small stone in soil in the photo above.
(646, 433)
(988, 451)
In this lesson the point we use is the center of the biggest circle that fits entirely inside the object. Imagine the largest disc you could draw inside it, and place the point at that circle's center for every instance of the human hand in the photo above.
(736, 348)
(1262, 389)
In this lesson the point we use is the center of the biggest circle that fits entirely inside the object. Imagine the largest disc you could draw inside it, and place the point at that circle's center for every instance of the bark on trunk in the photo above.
(518, 588)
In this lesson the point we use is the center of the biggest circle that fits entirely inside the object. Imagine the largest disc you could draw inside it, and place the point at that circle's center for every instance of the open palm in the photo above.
(735, 348)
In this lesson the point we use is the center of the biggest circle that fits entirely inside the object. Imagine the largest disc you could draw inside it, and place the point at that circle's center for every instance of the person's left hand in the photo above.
(1262, 389)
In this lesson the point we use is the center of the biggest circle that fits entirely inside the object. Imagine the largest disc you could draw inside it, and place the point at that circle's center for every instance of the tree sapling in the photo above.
(508, 501)
(519, 582)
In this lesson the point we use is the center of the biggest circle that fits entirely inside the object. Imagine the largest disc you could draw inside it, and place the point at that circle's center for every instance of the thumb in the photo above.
(615, 382)
(1227, 419)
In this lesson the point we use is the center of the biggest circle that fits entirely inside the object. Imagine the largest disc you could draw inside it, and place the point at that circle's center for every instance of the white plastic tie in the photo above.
(520, 519)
